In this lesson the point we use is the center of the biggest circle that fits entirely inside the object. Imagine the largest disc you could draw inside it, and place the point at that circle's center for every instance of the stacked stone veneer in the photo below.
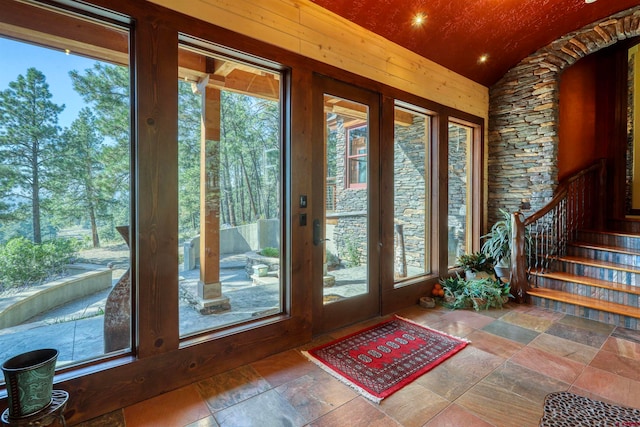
(523, 116)
(410, 190)
(350, 232)
(458, 171)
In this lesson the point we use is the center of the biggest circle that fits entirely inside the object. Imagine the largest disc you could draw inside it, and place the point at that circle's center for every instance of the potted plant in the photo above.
(452, 286)
(486, 293)
(481, 294)
(476, 265)
(497, 244)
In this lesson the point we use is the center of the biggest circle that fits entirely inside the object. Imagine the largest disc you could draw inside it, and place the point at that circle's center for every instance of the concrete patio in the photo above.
(75, 329)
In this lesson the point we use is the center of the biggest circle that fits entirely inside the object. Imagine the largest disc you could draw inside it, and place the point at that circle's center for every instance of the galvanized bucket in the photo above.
(29, 378)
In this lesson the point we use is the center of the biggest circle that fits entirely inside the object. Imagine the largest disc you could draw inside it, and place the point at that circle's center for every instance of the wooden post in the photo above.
(209, 286)
(519, 281)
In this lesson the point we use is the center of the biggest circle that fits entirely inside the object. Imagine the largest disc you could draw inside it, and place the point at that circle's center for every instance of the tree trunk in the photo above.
(94, 227)
(240, 195)
(259, 187)
(254, 213)
(230, 206)
(35, 195)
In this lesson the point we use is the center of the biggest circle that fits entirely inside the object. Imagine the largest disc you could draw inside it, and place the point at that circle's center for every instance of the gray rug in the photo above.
(566, 409)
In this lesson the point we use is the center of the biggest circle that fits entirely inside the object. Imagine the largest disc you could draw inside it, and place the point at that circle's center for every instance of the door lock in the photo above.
(317, 232)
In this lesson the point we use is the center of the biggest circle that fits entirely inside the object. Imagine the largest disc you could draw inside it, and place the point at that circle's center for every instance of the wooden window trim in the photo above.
(350, 156)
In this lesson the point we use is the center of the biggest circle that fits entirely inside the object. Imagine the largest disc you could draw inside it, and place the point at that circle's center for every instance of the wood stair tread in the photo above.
(589, 281)
(600, 264)
(588, 302)
(598, 246)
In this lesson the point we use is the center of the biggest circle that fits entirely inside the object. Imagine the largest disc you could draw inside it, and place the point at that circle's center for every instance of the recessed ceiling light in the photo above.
(419, 19)
(483, 58)
(590, 1)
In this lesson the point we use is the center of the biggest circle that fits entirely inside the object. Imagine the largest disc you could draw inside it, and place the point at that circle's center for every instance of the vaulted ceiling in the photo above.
(457, 33)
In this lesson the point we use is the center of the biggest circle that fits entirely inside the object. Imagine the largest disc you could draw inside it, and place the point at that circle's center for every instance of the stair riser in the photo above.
(611, 275)
(604, 255)
(624, 226)
(622, 241)
(602, 294)
(587, 313)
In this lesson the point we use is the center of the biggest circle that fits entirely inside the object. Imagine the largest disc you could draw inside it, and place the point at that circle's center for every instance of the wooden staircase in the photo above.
(598, 279)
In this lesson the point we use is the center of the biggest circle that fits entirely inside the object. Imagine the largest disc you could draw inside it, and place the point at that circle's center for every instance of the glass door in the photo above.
(345, 212)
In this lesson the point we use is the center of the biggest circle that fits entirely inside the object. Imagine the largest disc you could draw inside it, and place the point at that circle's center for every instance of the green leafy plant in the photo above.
(352, 254)
(497, 243)
(270, 252)
(452, 286)
(481, 294)
(23, 262)
(333, 261)
(476, 261)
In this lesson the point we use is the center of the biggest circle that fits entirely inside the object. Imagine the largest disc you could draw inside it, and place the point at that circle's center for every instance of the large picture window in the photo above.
(229, 180)
(64, 186)
(460, 206)
(412, 195)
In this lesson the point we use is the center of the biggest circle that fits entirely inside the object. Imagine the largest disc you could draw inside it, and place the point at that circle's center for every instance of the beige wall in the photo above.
(303, 27)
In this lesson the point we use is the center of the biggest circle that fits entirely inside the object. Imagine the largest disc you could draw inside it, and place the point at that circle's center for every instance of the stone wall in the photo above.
(410, 175)
(458, 170)
(410, 189)
(523, 116)
(350, 232)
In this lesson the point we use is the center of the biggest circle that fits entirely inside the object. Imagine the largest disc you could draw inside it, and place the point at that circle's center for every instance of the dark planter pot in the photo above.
(29, 378)
(503, 273)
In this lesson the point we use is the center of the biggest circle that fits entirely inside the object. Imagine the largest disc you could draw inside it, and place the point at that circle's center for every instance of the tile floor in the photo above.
(517, 356)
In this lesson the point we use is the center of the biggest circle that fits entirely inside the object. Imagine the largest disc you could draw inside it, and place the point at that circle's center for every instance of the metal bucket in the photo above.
(29, 378)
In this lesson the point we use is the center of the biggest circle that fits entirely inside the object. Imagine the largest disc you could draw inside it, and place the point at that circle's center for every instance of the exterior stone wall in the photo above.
(458, 168)
(410, 183)
(410, 174)
(523, 116)
(351, 206)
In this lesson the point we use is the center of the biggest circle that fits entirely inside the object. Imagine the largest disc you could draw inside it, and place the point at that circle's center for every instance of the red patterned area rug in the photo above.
(380, 360)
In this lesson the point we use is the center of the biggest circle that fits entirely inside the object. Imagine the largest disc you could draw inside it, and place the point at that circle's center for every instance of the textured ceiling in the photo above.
(457, 33)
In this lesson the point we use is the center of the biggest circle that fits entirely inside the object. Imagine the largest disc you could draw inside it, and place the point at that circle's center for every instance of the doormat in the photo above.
(568, 409)
(380, 360)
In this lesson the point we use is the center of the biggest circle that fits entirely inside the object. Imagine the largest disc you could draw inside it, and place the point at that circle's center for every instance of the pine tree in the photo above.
(106, 89)
(83, 188)
(28, 133)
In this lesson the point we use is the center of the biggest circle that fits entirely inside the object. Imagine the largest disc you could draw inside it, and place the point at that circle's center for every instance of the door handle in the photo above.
(317, 232)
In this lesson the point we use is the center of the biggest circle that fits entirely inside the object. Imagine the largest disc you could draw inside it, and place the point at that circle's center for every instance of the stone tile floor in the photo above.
(517, 356)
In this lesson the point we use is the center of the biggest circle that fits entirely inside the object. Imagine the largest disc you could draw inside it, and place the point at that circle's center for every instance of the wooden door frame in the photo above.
(332, 316)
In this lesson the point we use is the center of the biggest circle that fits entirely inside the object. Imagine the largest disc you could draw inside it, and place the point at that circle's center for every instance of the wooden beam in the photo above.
(228, 75)
(240, 81)
(403, 118)
(349, 112)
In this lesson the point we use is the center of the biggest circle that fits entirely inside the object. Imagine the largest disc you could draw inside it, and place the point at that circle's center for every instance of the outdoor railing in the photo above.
(330, 202)
(539, 240)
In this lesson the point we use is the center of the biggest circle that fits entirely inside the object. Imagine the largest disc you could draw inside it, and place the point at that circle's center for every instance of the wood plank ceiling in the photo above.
(457, 33)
